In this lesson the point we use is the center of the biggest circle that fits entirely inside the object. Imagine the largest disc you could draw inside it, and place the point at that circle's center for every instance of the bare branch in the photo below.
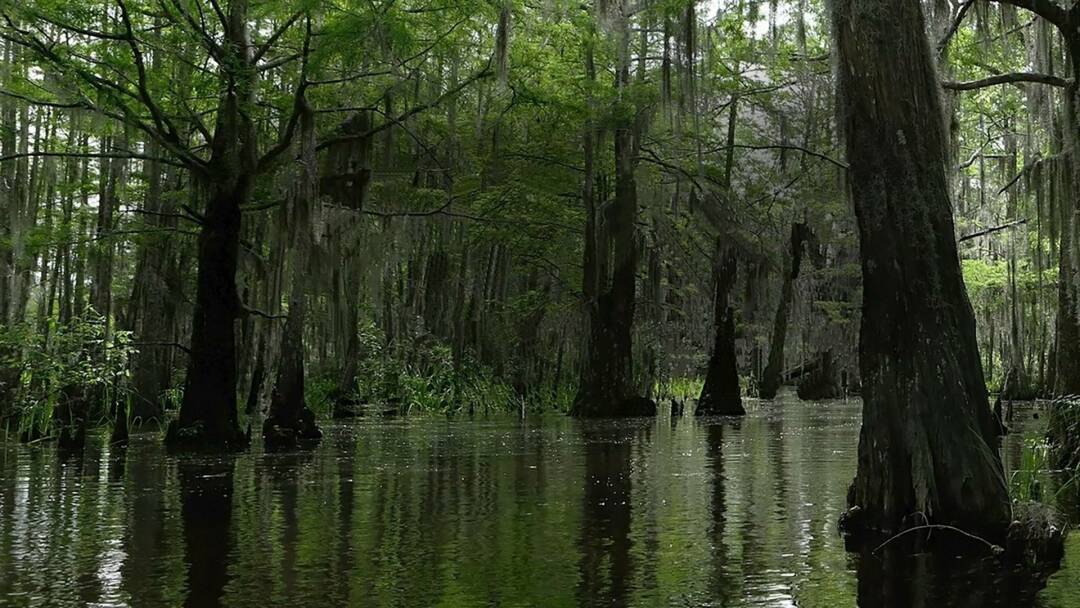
(975, 235)
(806, 151)
(266, 46)
(1008, 78)
(483, 73)
(944, 42)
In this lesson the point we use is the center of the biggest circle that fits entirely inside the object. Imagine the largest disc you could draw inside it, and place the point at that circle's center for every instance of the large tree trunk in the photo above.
(1067, 364)
(607, 387)
(721, 394)
(290, 419)
(770, 378)
(208, 417)
(208, 412)
(926, 450)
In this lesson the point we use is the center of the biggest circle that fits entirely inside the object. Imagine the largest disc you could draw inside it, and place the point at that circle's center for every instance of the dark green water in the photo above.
(430, 512)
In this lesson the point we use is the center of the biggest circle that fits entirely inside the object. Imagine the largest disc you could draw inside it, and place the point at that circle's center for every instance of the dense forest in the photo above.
(238, 225)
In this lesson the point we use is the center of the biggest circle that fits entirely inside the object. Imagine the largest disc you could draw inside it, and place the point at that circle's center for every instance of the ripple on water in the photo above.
(493, 512)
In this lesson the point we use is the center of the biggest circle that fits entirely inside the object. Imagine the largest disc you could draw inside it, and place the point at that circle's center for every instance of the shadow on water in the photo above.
(206, 495)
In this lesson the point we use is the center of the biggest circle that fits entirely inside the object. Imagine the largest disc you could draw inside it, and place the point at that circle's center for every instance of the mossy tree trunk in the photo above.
(290, 420)
(208, 417)
(926, 449)
(770, 378)
(611, 255)
(721, 394)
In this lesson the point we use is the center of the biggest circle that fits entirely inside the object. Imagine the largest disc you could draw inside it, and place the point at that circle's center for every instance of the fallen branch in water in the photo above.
(995, 549)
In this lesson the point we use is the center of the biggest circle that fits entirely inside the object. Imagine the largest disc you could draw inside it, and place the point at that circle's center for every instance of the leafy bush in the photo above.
(43, 371)
(420, 375)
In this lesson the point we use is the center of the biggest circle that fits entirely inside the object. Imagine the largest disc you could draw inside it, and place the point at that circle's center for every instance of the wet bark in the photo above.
(926, 450)
(721, 394)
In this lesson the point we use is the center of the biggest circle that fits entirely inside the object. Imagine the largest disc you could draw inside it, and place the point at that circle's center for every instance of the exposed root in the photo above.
(994, 549)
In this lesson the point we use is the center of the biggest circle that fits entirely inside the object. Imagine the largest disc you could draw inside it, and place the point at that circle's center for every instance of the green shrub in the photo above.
(42, 371)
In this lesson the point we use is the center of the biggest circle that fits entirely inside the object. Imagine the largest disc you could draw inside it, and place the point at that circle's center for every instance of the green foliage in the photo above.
(422, 376)
(1064, 432)
(318, 393)
(679, 388)
(1027, 479)
(66, 363)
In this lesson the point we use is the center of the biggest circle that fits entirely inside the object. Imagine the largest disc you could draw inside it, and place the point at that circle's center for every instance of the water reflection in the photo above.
(604, 537)
(895, 579)
(721, 585)
(427, 512)
(206, 493)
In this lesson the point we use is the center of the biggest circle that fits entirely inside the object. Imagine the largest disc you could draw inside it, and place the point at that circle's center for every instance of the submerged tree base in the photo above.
(196, 437)
(1035, 538)
(629, 407)
(279, 434)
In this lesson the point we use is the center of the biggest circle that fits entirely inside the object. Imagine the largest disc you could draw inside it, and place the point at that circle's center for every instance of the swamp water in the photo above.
(486, 512)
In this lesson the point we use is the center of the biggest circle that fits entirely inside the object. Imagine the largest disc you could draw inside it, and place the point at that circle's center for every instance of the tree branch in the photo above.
(1011, 77)
(944, 42)
(127, 155)
(171, 344)
(483, 73)
(266, 46)
(1028, 168)
(975, 235)
(823, 157)
(1047, 9)
(247, 310)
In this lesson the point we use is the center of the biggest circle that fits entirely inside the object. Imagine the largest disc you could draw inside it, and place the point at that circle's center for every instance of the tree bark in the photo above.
(926, 449)
(1067, 373)
(208, 416)
(290, 420)
(606, 387)
(721, 394)
(770, 378)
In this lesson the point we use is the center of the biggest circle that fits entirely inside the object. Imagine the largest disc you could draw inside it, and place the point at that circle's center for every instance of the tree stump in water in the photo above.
(821, 382)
